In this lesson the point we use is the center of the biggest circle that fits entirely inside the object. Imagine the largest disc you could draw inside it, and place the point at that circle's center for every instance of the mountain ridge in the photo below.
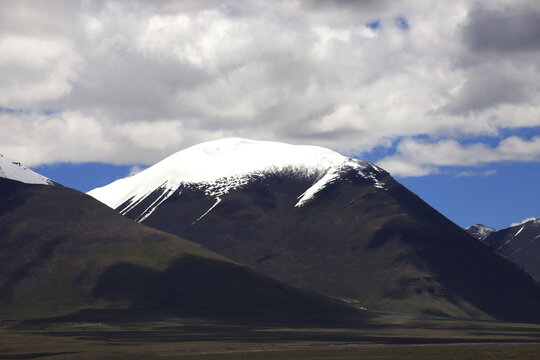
(520, 243)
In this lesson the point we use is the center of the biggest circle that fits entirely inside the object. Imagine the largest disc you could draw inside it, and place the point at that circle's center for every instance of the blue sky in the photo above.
(496, 200)
(437, 94)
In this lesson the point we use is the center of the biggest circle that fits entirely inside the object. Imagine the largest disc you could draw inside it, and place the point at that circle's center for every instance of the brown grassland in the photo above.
(383, 336)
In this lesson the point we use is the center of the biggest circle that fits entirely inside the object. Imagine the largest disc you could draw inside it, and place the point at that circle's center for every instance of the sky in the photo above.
(442, 94)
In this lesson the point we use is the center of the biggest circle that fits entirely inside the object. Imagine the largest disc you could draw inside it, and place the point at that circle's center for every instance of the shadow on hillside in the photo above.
(480, 273)
(197, 285)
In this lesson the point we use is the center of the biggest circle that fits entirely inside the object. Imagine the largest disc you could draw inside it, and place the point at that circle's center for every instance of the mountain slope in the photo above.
(519, 243)
(62, 251)
(357, 234)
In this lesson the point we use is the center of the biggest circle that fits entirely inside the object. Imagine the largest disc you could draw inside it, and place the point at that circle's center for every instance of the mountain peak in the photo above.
(520, 243)
(525, 221)
(226, 164)
(480, 231)
(13, 170)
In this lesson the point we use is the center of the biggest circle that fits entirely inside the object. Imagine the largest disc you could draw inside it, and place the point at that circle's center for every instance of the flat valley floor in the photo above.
(152, 336)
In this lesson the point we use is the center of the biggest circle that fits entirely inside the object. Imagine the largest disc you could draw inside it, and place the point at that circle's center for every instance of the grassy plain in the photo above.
(151, 336)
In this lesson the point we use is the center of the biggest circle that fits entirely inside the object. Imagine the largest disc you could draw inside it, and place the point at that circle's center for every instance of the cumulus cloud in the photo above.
(494, 84)
(132, 82)
(88, 139)
(418, 157)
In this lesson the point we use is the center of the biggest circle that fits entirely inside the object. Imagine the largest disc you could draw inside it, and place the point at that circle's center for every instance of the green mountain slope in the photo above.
(62, 251)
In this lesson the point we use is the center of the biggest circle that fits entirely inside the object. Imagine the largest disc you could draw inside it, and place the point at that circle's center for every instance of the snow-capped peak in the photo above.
(15, 171)
(480, 231)
(524, 221)
(223, 165)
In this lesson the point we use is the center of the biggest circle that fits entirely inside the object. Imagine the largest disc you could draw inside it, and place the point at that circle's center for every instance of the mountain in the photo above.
(519, 243)
(62, 252)
(480, 231)
(320, 221)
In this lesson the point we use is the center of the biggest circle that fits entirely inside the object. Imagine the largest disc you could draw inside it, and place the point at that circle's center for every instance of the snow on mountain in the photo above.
(223, 165)
(480, 231)
(524, 221)
(15, 171)
(517, 228)
(520, 244)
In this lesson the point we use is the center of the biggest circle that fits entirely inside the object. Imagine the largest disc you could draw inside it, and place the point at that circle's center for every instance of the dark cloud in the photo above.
(503, 29)
(491, 85)
(346, 12)
(365, 5)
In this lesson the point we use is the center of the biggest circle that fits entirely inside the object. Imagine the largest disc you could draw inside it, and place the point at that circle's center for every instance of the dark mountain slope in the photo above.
(521, 244)
(62, 251)
(384, 248)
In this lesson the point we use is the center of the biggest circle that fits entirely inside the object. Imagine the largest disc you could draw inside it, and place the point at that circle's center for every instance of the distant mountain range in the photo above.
(320, 221)
(62, 251)
(519, 243)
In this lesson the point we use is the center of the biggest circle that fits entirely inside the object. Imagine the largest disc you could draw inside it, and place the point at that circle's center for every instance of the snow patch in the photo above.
(150, 209)
(318, 186)
(480, 231)
(15, 171)
(218, 200)
(536, 220)
(514, 253)
(334, 174)
(508, 241)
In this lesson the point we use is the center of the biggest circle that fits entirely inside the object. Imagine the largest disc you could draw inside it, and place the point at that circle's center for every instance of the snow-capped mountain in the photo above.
(320, 221)
(217, 167)
(15, 171)
(520, 243)
(480, 231)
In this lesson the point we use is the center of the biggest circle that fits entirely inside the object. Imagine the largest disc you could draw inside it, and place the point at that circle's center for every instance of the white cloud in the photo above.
(476, 173)
(419, 158)
(134, 170)
(87, 139)
(36, 70)
(135, 81)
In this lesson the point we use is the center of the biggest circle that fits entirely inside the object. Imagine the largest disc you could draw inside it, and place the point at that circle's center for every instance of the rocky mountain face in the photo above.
(319, 221)
(519, 243)
(62, 251)
(480, 231)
